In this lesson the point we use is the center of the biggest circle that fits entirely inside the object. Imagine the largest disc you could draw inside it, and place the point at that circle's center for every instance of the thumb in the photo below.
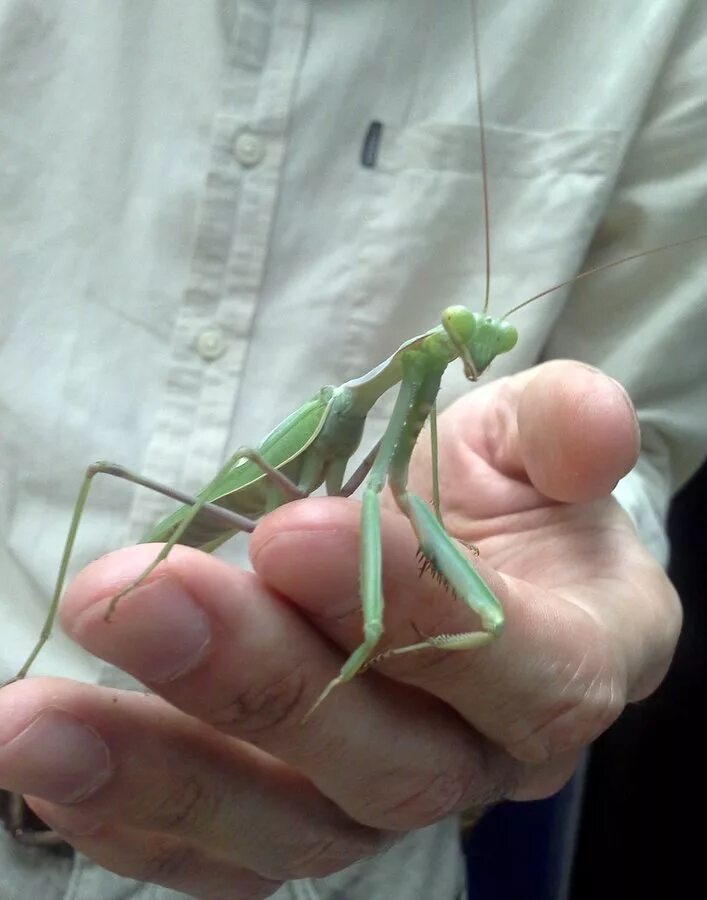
(577, 432)
(561, 430)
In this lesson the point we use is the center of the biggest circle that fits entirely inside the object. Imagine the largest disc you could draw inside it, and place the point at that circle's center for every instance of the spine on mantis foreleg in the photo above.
(453, 567)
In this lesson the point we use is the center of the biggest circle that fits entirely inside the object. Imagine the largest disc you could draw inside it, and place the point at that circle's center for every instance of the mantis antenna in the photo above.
(482, 152)
(596, 269)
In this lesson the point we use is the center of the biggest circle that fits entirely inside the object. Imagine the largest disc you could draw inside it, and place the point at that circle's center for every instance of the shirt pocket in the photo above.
(421, 246)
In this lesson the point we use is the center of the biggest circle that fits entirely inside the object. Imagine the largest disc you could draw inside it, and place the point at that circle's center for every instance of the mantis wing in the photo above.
(245, 488)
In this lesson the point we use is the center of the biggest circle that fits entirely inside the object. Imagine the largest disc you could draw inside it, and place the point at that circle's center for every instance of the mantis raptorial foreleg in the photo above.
(446, 558)
(421, 376)
(371, 561)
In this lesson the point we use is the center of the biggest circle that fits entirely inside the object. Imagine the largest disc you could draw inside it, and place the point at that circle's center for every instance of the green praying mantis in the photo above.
(313, 446)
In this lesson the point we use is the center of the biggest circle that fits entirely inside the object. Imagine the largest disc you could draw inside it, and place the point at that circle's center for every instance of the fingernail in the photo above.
(631, 408)
(624, 393)
(56, 757)
(157, 633)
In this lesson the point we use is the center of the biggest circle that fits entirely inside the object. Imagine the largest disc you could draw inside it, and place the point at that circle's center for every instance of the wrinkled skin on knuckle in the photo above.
(601, 705)
(414, 800)
(585, 708)
(177, 866)
(327, 850)
(258, 710)
(180, 808)
(487, 779)
(161, 861)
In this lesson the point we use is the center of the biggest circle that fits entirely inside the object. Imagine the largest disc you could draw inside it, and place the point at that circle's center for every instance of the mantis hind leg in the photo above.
(282, 485)
(197, 505)
(226, 517)
(289, 489)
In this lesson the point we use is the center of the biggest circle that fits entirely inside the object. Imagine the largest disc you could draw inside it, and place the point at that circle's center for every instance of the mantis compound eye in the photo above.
(460, 324)
(507, 337)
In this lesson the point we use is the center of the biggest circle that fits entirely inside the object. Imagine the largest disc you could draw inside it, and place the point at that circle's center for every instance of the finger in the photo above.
(389, 757)
(577, 432)
(547, 685)
(154, 858)
(545, 780)
(561, 430)
(130, 760)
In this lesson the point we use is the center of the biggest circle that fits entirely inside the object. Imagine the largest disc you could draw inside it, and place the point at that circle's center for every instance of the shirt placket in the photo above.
(214, 324)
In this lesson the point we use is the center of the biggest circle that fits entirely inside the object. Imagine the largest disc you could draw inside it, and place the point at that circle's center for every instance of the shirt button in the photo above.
(210, 344)
(249, 149)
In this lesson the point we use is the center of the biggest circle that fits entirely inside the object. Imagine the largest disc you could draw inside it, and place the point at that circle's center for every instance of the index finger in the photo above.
(545, 687)
(390, 757)
(561, 431)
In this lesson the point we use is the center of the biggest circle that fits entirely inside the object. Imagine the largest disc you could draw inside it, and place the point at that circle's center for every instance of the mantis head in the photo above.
(477, 338)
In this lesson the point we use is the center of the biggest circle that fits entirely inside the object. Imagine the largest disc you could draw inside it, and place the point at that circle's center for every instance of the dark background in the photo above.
(644, 823)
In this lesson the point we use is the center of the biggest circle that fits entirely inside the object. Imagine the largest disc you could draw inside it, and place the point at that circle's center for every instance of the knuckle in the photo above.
(329, 848)
(257, 710)
(546, 780)
(180, 809)
(588, 705)
(183, 868)
(162, 862)
(415, 802)
(665, 623)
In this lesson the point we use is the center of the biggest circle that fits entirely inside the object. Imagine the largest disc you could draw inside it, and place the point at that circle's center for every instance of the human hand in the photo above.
(217, 786)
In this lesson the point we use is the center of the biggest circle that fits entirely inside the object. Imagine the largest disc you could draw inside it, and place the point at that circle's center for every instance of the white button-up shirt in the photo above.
(209, 210)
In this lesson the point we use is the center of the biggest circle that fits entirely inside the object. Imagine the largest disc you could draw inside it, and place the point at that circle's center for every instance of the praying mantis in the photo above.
(312, 447)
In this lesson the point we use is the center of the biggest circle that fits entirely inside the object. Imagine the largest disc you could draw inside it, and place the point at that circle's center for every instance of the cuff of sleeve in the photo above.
(644, 496)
